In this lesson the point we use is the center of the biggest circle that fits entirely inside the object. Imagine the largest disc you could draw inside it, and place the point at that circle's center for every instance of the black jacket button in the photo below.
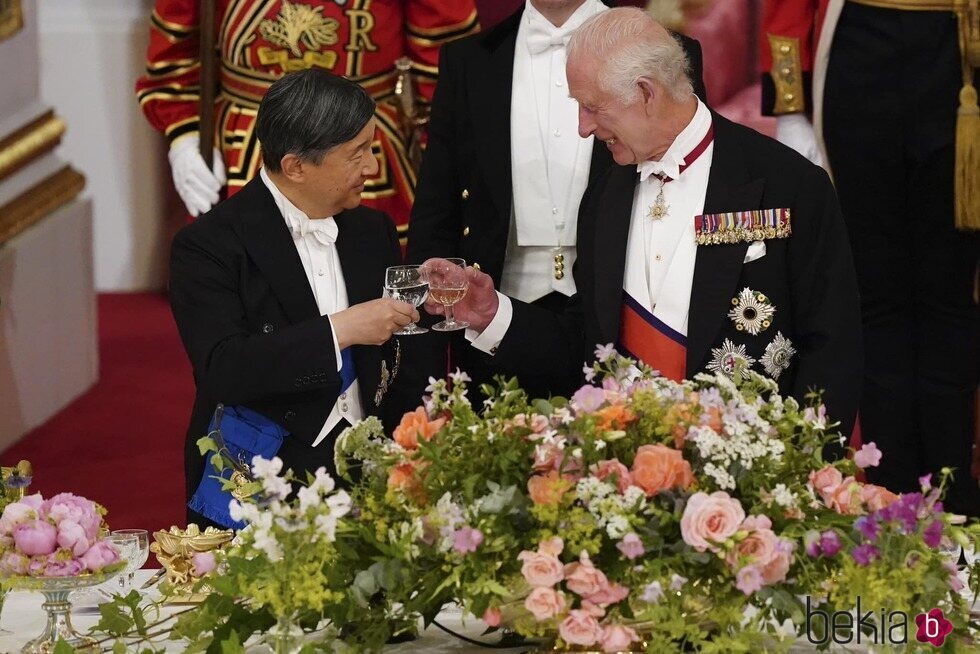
(267, 328)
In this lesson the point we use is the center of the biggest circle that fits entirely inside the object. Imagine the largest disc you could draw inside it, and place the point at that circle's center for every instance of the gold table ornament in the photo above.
(176, 548)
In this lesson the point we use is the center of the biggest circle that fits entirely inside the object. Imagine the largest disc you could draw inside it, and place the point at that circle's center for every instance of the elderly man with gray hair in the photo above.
(708, 248)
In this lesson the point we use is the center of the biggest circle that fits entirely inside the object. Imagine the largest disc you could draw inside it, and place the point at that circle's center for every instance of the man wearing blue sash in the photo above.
(277, 293)
(708, 248)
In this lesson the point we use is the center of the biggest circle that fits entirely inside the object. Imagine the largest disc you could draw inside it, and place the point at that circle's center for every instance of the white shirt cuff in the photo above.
(496, 330)
(336, 344)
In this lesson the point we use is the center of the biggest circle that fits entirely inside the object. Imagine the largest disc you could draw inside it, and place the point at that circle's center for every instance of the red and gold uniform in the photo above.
(260, 40)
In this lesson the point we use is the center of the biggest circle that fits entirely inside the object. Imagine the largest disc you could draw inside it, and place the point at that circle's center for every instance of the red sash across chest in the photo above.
(644, 337)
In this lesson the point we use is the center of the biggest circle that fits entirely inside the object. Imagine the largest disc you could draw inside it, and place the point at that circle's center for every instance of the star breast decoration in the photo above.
(728, 358)
(777, 356)
(751, 311)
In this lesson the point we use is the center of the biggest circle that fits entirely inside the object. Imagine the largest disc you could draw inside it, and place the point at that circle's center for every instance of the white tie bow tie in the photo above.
(667, 167)
(541, 38)
(323, 230)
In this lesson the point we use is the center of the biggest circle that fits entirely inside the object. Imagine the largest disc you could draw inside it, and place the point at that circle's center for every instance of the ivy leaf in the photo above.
(114, 621)
(206, 444)
(62, 647)
(230, 645)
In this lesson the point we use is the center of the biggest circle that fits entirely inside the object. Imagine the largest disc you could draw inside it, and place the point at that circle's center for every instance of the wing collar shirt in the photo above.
(660, 255)
(315, 243)
(549, 161)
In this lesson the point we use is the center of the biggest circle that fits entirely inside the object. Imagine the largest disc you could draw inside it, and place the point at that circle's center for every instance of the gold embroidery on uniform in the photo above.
(361, 23)
(300, 23)
(787, 74)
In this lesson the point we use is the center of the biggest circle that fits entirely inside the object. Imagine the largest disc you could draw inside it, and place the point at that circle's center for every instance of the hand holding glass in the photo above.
(447, 286)
(408, 284)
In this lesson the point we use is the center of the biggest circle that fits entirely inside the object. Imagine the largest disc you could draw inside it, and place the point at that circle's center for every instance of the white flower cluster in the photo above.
(610, 509)
(447, 517)
(784, 497)
(317, 505)
(745, 440)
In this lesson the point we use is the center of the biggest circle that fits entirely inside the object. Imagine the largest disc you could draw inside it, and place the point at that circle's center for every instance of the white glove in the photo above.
(796, 131)
(197, 186)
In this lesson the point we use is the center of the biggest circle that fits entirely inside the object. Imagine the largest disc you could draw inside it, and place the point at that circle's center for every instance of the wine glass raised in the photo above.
(408, 284)
(447, 286)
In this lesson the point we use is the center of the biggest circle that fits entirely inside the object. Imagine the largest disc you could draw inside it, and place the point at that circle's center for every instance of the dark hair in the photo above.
(309, 112)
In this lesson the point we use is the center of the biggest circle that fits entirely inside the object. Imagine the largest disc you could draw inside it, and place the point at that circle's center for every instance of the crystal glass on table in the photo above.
(134, 546)
(447, 286)
(408, 284)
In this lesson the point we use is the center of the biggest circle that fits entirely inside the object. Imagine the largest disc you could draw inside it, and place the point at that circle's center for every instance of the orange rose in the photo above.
(680, 416)
(658, 467)
(405, 477)
(415, 425)
(876, 497)
(547, 489)
(615, 416)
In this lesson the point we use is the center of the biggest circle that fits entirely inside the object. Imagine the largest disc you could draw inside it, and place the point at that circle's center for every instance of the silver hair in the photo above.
(610, 37)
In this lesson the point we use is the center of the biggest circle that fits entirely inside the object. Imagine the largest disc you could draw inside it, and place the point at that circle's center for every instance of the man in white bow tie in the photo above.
(505, 170)
(277, 291)
(709, 247)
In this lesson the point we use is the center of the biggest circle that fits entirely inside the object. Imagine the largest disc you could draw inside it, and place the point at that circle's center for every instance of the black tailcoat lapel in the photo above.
(267, 239)
(490, 96)
(612, 227)
(731, 187)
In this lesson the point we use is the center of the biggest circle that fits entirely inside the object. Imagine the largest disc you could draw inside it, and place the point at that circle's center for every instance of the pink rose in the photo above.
(36, 538)
(69, 568)
(545, 603)
(13, 563)
(203, 563)
(540, 570)
(15, 514)
(758, 548)
(583, 578)
(580, 628)
(540, 424)
(617, 638)
(710, 519)
(65, 506)
(100, 555)
(492, 617)
(825, 481)
(609, 594)
(547, 456)
(631, 546)
(846, 498)
(72, 537)
(552, 546)
(875, 498)
(777, 567)
(606, 469)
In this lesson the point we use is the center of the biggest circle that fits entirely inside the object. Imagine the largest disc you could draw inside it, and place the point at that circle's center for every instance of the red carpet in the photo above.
(121, 443)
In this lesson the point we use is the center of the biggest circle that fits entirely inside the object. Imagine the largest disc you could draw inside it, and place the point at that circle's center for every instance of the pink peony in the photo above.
(203, 563)
(868, 456)
(36, 538)
(72, 537)
(545, 603)
(583, 578)
(825, 481)
(65, 506)
(15, 514)
(34, 501)
(607, 469)
(540, 570)
(609, 594)
(13, 563)
(100, 555)
(492, 617)
(617, 638)
(69, 568)
(710, 519)
(580, 628)
(631, 546)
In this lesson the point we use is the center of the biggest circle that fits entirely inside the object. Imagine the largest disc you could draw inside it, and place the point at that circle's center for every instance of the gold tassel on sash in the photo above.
(967, 176)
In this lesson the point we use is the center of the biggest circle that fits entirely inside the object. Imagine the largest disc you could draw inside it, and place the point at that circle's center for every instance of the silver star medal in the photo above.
(660, 207)
(751, 311)
(729, 357)
(777, 356)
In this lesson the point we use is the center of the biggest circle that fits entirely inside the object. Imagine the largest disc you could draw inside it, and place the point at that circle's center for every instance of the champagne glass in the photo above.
(408, 284)
(447, 286)
(137, 541)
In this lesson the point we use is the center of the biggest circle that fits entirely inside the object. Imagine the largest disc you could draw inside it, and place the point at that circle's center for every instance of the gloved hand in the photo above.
(197, 186)
(796, 131)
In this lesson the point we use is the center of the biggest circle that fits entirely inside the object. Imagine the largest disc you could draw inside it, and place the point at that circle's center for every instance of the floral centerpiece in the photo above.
(649, 515)
(57, 537)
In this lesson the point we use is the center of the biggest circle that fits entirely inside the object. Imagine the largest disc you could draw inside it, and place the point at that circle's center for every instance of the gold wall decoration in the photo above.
(11, 18)
(29, 142)
(35, 203)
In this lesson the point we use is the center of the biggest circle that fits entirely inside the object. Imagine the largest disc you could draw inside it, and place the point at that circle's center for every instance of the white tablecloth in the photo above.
(22, 619)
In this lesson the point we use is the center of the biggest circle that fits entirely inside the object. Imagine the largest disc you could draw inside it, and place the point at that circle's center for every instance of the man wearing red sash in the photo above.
(261, 40)
(709, 247)
(881, 92)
